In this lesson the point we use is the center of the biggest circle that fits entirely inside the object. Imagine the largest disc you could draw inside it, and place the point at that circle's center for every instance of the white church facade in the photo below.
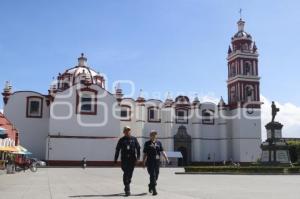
(80, 118)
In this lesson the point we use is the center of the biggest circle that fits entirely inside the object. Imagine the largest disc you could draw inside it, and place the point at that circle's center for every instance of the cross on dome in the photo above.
(240, 11)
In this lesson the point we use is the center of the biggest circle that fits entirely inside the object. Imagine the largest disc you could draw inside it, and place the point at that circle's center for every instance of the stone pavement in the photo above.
(93, 183)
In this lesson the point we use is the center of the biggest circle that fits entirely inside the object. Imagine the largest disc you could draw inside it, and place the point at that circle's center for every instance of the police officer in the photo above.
(152, 151)
(130, 153)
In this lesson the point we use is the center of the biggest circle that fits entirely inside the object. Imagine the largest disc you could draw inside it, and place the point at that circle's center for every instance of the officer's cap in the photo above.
(153, 132)
(126, 128)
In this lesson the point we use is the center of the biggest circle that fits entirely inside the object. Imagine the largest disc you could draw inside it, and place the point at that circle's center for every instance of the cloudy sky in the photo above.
(176, 46)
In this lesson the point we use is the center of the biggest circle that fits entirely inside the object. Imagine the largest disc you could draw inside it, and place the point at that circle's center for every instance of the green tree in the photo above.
(294, 149)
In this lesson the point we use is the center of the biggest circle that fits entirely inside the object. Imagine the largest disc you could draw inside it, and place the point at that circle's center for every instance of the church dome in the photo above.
(80, 74)
(241, 34)
(79, 70)
(82, 68)
(242, 41)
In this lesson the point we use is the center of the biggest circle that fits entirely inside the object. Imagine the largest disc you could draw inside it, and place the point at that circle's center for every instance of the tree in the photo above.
(294, 149)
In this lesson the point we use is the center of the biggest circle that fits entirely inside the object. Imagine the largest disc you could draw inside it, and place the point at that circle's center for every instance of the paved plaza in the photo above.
(93, 183)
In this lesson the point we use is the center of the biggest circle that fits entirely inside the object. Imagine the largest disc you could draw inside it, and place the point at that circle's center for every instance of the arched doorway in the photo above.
(182, 143)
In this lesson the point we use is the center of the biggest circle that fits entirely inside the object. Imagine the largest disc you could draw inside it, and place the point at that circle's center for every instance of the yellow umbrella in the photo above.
(21, 150)
(8, 149)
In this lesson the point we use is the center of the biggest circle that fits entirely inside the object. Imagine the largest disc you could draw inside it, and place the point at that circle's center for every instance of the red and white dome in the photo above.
(80, 74)
(241, 34)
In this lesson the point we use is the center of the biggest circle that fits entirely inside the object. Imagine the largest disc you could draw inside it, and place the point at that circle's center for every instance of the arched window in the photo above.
(249, 93)
(65, 85)
(233, 94)
(232, 70)
(182, 116)
(86, 101)
(248, 69)
(154, 114)
(125, 113)
(245, 46)
(208, 116)
(34, 107)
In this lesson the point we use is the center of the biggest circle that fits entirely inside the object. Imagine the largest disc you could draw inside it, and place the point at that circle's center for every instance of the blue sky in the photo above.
(161, 45)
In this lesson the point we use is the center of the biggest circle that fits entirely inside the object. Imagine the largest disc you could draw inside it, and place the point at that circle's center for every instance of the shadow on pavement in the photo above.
(107, 195)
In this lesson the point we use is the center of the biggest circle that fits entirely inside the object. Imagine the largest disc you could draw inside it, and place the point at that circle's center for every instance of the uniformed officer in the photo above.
(130, 153)
(152, 151)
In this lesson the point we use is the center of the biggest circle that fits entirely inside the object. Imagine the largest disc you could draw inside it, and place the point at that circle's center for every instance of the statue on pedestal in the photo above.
(274, 149)
(274, 111)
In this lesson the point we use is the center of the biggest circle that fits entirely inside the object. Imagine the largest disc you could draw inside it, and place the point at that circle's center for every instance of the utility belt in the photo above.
(153, 158)
(152, 162)
(128, 157)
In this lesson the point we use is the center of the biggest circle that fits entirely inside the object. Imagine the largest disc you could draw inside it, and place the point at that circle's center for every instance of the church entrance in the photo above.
(182, 143)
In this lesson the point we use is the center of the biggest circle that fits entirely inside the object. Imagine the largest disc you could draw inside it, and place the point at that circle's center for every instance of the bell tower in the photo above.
(244, 97)
(243, 79)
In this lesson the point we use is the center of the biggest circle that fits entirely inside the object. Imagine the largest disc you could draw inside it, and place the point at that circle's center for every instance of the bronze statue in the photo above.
(274, 111)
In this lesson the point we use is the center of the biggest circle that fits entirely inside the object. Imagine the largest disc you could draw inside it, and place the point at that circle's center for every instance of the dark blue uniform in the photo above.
(130, 153)
(152, 151)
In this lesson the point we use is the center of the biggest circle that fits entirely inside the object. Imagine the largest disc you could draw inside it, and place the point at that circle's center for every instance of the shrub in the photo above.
(248, 169)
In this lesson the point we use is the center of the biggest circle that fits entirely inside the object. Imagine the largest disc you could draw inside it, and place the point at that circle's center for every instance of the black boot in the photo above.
(150, 188)
(154, 191)
(127, 193)
(127, 190)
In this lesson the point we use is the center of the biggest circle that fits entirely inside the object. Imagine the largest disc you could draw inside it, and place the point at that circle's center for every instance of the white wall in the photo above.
(246, 135)
(242, 135)
(76, 149)
(102, 124)
(33, 131)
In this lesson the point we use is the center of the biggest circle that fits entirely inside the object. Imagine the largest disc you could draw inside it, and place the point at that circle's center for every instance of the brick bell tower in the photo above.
(243, 79)
(244, 96)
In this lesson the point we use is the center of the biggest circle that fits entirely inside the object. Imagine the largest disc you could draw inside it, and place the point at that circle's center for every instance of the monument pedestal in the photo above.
(274, 149)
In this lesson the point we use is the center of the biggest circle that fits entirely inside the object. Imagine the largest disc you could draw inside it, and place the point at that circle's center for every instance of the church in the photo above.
(78, 117)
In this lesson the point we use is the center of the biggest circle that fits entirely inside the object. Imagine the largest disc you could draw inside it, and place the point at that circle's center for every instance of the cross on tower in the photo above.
(240, 11)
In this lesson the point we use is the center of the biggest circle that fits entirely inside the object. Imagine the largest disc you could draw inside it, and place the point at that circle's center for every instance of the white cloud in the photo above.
(1, 110)
(209, 98)
(289, 115)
